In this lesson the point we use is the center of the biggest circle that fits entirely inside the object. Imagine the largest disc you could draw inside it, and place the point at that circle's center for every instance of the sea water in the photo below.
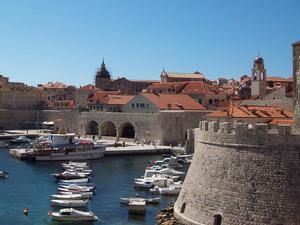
(30, 185)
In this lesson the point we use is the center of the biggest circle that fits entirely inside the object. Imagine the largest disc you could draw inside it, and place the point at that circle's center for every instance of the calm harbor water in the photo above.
(30, 185)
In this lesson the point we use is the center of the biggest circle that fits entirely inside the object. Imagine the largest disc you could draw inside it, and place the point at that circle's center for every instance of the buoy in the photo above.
(25, 211)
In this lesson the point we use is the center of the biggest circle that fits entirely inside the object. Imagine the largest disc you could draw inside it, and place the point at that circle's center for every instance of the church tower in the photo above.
(103, 78)
(258, 78)
(296, 79)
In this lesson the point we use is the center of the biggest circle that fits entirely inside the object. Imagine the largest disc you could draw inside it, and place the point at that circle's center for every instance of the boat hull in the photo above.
(80, 155)
(92, 218)
(70, 203)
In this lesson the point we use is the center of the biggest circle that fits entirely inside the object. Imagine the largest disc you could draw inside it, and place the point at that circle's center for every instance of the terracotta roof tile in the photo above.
(90, 87)
(271, 112)
(173, 101)
(56, 85)
(107, 99)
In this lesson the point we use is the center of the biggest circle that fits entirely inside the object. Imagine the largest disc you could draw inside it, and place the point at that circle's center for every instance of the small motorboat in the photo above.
(69, 197)
(137, 207)
(144, 184)
(69, 203)
(172, 190)
(75, 164)
(148, 200)
(79, 170)
(21, 140)
(70, 175)
(70, 214)
(83, 194)
(3, 174)
(82, 184)
(170, 171)
(77, 189)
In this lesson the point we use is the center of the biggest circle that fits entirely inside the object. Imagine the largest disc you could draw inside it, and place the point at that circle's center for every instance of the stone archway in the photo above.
(92, 128)
(108, 129)
(126, 130)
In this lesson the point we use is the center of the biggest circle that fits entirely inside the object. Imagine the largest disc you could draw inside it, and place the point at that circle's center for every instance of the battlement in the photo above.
(246, 134)
(257, 129)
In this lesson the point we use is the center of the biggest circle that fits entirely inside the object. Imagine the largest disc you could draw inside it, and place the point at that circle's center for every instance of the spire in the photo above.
(103, 64)
(102, 72)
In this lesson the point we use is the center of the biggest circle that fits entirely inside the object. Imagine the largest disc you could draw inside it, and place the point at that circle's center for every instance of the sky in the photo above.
(54, 40)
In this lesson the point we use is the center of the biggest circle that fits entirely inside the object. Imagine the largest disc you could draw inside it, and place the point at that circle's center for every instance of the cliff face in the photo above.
(242, 175)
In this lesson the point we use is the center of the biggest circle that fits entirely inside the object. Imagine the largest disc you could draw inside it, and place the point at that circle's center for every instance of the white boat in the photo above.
(73, 187)
(170, 171)
(79, 170)
(3, 174)
(73, 181)
(137, 207)
(64, 147)
(70, 175)
(144, 184)
(148, 200)
(83, 194)
(172, 190)
(70, 214)
(69, 197)
(151, 179)
(69, 203)
(72, 163)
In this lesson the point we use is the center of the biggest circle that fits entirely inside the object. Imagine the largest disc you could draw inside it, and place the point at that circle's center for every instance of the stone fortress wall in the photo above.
(242, 174)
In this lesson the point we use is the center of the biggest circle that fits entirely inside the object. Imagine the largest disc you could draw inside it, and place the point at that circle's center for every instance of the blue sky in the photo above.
(66, 40)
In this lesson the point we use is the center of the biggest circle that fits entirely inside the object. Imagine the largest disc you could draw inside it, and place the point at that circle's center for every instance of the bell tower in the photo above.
(258, 78)
(296, 80)
(103, 78)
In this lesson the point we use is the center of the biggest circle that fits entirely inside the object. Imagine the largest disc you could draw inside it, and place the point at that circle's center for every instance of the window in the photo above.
(182, 207)
(210, 101)
(132, 105)
(137, 105)
(217, 219)
(200, 100)
(147, 105)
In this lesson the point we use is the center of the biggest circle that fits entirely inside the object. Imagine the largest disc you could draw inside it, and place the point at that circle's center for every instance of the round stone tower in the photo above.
(242, 174)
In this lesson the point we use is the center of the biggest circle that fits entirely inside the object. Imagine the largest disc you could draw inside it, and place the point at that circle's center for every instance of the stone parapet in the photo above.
(247, 134)
(242, 174)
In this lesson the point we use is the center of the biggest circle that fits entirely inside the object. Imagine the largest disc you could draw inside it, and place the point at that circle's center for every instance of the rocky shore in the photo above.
(166, 216)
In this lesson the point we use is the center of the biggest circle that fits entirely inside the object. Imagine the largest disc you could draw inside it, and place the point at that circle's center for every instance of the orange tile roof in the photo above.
(107, 99)
(189, 87)
(271, 112)
(119, 99)
(280, 79)
(56, 85)
(200, 87)
(90, 87)
(173, 101)
(282, 121)
(170, 85)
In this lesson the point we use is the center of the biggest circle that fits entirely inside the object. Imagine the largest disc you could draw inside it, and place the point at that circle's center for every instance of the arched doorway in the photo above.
(108, 129)
(126, 130)
(92, 128)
